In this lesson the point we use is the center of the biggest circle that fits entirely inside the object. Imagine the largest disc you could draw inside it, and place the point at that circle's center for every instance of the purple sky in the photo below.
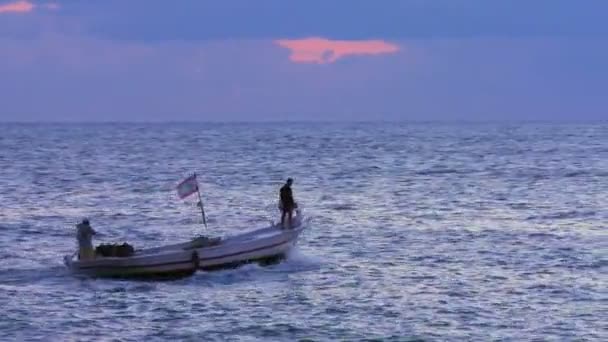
(250, 60)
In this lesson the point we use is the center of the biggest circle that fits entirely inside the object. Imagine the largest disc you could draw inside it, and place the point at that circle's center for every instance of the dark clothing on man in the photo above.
(287, 201)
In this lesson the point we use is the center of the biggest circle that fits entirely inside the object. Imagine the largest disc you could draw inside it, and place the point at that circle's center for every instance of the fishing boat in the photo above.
(266, 244)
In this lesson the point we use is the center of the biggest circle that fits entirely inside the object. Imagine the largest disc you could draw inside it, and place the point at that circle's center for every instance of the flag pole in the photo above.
(200, 200)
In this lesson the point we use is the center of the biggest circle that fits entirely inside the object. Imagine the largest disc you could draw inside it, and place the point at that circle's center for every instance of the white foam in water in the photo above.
(298, 260)
(243, 271)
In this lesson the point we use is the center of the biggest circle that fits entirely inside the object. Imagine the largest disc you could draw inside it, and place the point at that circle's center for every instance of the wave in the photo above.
(430, 172)
(573, 174)
(343, 207)
(563, 215)
(544, 235)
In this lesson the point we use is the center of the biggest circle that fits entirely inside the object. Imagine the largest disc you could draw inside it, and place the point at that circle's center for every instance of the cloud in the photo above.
(24, 6)
(323, 51)
(17, 7)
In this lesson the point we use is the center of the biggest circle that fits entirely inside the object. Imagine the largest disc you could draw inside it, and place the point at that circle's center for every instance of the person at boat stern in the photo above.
(84, 235)
(288, 204)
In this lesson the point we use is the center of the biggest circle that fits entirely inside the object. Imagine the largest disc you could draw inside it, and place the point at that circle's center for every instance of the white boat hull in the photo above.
(265, 244)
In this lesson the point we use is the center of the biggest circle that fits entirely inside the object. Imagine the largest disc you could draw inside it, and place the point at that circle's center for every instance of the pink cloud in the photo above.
(323, 51)
(17, 7)
(24, 6)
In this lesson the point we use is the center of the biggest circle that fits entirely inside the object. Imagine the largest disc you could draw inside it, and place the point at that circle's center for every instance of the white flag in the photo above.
(187, 187)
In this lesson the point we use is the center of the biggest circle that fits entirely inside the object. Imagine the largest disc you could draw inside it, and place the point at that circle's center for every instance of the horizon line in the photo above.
(371, 121)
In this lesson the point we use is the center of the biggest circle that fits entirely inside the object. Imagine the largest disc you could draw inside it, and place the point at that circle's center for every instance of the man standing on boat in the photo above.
(287, 203)
(84, 235)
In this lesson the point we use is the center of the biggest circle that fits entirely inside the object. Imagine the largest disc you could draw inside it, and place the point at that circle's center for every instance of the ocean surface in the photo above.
(421, 231)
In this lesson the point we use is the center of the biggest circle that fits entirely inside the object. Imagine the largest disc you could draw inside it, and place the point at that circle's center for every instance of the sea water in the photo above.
(418, 231)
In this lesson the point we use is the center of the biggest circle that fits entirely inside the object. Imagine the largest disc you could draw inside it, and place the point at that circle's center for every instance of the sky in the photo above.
(301, 60)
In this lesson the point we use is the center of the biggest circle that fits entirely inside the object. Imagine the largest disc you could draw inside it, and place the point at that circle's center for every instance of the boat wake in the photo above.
(31, 275)
(295, 261)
